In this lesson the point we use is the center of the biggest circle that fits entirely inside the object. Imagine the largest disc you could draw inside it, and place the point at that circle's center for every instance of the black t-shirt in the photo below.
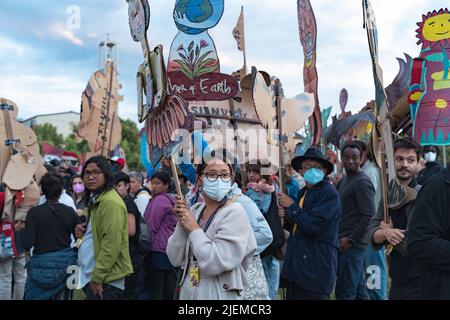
(48, 228)
(133, 209)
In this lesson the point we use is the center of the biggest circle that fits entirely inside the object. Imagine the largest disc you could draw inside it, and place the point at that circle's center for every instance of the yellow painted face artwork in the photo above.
(437, 28)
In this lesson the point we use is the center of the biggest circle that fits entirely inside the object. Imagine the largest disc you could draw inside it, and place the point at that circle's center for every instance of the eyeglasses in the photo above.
(94, 174)
(211, 176)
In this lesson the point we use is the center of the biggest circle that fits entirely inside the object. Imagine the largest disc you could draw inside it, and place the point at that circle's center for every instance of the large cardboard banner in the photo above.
(429, 88)
(99, 120)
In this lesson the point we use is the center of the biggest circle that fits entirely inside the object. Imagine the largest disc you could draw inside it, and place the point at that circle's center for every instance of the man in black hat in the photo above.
(311, 256)
(357, 195)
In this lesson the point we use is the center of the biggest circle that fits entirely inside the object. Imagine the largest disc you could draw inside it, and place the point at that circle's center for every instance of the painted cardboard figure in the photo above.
(196, 52)
(308, 39)
(429, 91)
(151, 76)
(194, 68)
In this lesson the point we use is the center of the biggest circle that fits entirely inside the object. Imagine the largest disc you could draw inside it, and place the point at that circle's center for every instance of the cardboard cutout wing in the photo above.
(294, 112)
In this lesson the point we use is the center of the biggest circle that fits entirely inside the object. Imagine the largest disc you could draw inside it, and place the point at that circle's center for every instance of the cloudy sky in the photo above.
(45, 65)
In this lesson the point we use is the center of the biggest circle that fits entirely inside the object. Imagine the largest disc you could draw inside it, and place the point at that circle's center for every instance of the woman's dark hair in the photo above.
(165, 178)
(162, 176)
(352, 145)
(105, 168)
(219, 154)
(52, 186)
(408, 143)
(71, 192)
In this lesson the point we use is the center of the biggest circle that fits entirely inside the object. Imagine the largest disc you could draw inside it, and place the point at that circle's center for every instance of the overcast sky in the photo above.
(45, 66)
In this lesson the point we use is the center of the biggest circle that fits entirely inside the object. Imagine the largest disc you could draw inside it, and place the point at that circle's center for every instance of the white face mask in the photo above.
(430, 156)
(216, 190)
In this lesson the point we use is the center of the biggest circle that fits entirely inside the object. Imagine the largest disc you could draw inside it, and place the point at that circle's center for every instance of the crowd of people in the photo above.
(317, 236)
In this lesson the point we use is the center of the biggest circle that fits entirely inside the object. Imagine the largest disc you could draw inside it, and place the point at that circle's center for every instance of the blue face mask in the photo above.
(216, 190)
(313, 176)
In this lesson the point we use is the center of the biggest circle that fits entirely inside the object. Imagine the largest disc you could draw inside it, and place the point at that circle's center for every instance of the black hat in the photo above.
(315, 154)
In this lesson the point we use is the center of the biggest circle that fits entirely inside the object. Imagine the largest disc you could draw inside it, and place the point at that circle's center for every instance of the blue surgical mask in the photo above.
(313, 176)
(216, 190)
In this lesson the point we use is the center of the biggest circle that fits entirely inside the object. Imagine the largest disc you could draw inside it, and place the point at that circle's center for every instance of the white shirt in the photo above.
(141, 201)
(64, 199)
(374, 174)
(86, 261)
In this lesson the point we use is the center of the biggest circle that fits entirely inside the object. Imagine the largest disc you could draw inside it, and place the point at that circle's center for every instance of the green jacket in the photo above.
(110, 232)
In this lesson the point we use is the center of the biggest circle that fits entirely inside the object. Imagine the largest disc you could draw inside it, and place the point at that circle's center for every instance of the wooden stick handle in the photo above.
(175, 176)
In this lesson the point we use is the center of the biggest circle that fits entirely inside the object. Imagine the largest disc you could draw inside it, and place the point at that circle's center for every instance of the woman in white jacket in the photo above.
(214, 242)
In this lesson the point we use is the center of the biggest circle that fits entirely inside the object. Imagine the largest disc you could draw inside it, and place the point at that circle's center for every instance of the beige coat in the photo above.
(223, 254)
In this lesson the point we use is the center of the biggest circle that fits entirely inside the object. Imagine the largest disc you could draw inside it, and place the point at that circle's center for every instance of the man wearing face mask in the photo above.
(432, 166)
(310, 265)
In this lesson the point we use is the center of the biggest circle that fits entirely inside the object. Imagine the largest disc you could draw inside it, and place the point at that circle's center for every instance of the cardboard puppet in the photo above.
(308, 38)
(429, 87)
(194, 68)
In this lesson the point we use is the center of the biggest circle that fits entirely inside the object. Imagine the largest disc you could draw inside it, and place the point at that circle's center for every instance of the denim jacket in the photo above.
(47, 274)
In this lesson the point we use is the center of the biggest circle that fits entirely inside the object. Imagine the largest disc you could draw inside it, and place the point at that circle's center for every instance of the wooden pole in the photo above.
(444, 149)
(108, 93)
(175, 176)
(280, 139)
(237, 145)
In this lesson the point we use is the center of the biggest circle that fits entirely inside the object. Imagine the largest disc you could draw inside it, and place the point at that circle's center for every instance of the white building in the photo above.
(63, 121)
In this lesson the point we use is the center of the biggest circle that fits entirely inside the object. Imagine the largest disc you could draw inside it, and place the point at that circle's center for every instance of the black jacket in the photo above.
(356, 193)
(274, 221)
(311, 256)
(431, 168)
(429, 236)
(401, 269)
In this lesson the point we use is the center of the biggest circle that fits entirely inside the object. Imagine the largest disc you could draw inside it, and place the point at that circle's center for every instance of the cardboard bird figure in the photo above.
(275, 111)
(99, 121)
(429, 88)
(308, 38)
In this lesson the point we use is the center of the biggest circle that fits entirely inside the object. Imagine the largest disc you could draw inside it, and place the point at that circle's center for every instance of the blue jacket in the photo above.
(311, 254)
(261, 228)
(47, 274)
(261, 199)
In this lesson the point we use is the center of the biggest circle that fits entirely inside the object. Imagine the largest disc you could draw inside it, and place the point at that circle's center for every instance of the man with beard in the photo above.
(403, 271)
